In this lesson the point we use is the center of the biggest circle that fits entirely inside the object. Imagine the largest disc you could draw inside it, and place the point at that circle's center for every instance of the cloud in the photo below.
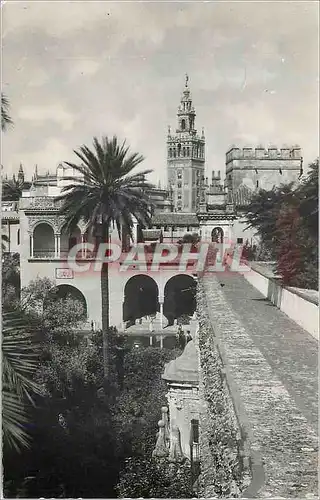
(39, 115)
(118, 67)
(83, 67)
(54, 151)
(38, 78)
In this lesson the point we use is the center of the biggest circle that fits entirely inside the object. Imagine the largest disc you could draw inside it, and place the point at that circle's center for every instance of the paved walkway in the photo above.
(290, 351)
(272, 364)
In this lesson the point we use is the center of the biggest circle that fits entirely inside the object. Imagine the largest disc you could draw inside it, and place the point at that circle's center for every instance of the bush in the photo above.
(149, 478)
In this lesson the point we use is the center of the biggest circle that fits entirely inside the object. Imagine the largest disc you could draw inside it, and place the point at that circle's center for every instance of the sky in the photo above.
(76, 70)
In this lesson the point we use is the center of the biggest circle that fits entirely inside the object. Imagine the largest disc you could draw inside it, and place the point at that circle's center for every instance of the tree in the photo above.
(6, 120)
(286, 220)
(263, 211)
(109, 195)
(308, 193)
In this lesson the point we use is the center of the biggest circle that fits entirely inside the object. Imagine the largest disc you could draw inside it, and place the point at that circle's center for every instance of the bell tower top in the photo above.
(186, 113)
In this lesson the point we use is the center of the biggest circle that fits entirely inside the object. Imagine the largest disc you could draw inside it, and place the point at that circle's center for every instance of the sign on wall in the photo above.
(64, 273)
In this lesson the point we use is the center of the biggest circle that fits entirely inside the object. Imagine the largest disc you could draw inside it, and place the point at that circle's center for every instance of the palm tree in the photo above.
(110, 195)
(12, 189)
(19, 363)
(4, 241)
(6, 120)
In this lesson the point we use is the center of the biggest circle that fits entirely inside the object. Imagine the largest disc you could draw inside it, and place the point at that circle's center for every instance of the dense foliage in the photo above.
(81, 430)
(286, 219)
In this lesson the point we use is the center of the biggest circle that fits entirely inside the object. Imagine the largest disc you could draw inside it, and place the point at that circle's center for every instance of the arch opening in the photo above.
(217, 235)
(179, 298)
(43, 241)
(140, 298)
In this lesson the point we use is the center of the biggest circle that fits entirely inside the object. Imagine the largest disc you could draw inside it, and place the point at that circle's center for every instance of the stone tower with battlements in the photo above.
(186, 158)
(260, 168)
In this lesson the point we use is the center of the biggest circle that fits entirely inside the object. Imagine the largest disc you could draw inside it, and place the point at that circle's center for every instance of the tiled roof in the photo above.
(151, 234)
(175, 219)
(9, 215)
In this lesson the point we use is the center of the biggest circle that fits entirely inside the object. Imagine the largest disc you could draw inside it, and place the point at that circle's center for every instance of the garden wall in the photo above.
(302, 306)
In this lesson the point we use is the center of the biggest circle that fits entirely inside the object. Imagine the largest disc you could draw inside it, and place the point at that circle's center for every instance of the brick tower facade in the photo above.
(186, 158)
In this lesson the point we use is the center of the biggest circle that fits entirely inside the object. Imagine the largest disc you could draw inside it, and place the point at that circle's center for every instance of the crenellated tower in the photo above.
(186, 157)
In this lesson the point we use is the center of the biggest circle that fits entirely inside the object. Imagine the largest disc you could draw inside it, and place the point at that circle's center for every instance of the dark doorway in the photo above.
(217, 235)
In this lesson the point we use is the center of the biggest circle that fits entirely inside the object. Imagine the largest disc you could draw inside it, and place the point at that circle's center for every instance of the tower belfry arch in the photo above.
(186, 156)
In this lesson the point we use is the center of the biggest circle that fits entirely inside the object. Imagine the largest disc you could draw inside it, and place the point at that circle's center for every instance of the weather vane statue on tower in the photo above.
(187, 79)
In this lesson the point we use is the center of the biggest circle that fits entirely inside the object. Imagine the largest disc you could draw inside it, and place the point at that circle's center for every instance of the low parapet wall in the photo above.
(302, 306)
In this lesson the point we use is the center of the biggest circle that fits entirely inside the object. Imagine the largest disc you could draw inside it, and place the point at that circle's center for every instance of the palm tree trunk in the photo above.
(104, 282)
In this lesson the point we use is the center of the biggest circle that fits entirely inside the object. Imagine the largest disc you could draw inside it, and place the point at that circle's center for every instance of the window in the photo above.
(18, 237)
(183, 124)
(179, 175)
(257, 184)
(195, 431)
(240, 240)
(179, 184)
(179, 196)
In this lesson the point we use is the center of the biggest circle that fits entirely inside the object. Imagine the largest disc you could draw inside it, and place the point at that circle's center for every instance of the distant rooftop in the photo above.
(175, 219)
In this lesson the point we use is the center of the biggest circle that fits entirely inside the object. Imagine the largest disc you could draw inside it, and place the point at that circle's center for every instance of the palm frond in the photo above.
(110, 193)
(6, 120)
(19, 363)
(14, 421)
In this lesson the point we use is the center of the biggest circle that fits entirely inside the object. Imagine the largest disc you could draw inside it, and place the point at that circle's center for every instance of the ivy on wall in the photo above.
(222, 472)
